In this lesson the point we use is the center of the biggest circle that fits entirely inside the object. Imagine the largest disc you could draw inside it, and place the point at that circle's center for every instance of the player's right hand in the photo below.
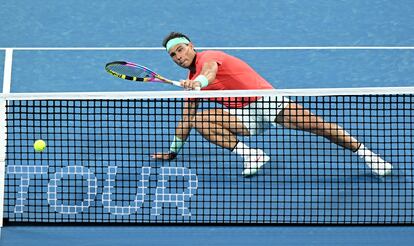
(190, 84)
(164, 156)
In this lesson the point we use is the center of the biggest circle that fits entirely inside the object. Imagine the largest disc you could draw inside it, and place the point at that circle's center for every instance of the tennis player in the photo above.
(216, 70)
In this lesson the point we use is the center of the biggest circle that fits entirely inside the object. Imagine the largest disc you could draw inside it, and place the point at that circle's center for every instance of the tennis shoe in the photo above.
(378, 165)
(254, 163)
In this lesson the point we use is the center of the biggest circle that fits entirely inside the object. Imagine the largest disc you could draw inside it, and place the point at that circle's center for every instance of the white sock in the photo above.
(364, 151)
(245, 151)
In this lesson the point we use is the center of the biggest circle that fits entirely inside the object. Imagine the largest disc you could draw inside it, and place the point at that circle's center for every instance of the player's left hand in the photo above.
(164, 156)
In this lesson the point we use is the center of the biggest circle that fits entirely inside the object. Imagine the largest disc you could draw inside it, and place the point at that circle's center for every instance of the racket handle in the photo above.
(176, 83)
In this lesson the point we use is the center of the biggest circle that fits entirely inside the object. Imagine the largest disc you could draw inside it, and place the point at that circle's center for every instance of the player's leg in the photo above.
(222, 128)
(296, 117)
(219, 127)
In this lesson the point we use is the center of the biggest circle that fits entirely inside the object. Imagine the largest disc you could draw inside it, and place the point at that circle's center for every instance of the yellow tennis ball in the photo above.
(39, 145)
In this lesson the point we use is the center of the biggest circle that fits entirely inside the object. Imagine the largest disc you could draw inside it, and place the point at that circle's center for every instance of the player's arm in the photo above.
(182, 131)
(207, 75)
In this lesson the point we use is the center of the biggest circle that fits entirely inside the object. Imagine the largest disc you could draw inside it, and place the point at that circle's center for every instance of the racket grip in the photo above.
(176, 83)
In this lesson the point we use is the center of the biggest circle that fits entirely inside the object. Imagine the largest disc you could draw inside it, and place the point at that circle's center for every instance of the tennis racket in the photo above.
(135, 72)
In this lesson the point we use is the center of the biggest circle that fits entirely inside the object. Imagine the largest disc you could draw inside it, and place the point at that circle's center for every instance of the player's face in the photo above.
(183, 54)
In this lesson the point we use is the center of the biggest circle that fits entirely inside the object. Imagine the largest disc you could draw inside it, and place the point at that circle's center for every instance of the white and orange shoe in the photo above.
(373, 161)
(254, 163)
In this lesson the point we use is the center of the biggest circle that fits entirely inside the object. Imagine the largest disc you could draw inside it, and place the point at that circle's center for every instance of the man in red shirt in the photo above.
(216, 70)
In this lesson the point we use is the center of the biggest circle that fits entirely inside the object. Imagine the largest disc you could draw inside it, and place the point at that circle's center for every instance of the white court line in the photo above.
(8, 63)
(217, 48)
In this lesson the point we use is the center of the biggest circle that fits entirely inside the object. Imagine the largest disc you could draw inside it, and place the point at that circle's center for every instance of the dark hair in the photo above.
(171, 36)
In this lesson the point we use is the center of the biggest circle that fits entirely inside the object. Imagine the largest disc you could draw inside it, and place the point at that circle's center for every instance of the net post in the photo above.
(8, 60)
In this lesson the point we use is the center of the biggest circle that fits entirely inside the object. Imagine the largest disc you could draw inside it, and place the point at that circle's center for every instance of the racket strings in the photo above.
(131, 71)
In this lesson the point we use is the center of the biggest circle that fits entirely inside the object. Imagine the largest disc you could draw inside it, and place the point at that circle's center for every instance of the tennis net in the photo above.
(97, 167)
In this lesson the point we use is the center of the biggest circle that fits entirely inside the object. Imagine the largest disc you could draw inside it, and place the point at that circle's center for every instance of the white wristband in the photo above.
(202, 79)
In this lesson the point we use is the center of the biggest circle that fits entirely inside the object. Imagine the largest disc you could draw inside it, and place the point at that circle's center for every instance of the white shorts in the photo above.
(259, 116)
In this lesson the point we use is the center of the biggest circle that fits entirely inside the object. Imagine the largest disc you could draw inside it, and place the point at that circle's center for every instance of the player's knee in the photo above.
(204, 118)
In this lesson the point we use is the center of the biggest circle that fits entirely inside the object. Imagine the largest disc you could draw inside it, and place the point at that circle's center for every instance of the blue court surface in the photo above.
(291, 43)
